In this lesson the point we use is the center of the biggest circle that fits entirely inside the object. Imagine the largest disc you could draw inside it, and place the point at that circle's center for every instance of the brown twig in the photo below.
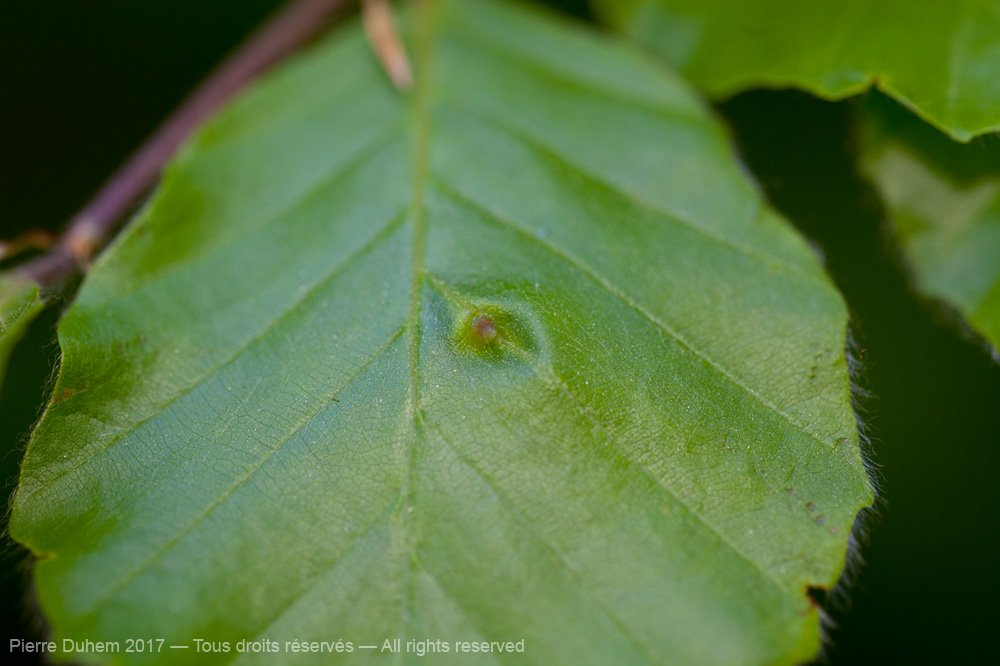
(381, 31)
(89, 229)
(32, 239)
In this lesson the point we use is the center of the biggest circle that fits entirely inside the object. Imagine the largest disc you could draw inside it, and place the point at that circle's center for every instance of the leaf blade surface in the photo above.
(285, 425)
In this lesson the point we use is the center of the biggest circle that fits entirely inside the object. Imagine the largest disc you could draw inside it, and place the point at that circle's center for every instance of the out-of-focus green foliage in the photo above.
(939, 58)
(19, 305)
(944, 201)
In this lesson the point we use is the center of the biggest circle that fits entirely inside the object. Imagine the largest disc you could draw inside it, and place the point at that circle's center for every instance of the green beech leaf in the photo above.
(939, 58)
(521, 355)
(944, 202)
(19, 305)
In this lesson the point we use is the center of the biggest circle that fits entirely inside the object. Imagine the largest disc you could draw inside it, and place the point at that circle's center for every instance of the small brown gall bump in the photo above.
(491, 332)
(484, 328)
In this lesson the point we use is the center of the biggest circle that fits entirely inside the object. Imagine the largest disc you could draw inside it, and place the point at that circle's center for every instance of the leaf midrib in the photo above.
(426, 13)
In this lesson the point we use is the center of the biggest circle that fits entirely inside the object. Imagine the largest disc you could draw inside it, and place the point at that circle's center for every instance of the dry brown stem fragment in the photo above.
(382, 34)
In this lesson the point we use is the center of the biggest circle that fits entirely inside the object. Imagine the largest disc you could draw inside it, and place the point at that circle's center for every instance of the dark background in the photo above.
(83, 83)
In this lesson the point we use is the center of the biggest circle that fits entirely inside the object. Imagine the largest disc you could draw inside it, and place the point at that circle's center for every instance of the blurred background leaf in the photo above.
(939, 58)
(19, 305)
(943, 199)
(22, 394)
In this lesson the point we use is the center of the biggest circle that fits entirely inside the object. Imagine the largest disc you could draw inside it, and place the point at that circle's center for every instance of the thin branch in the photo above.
(32, 239)
(382, 35)
(89, 229)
